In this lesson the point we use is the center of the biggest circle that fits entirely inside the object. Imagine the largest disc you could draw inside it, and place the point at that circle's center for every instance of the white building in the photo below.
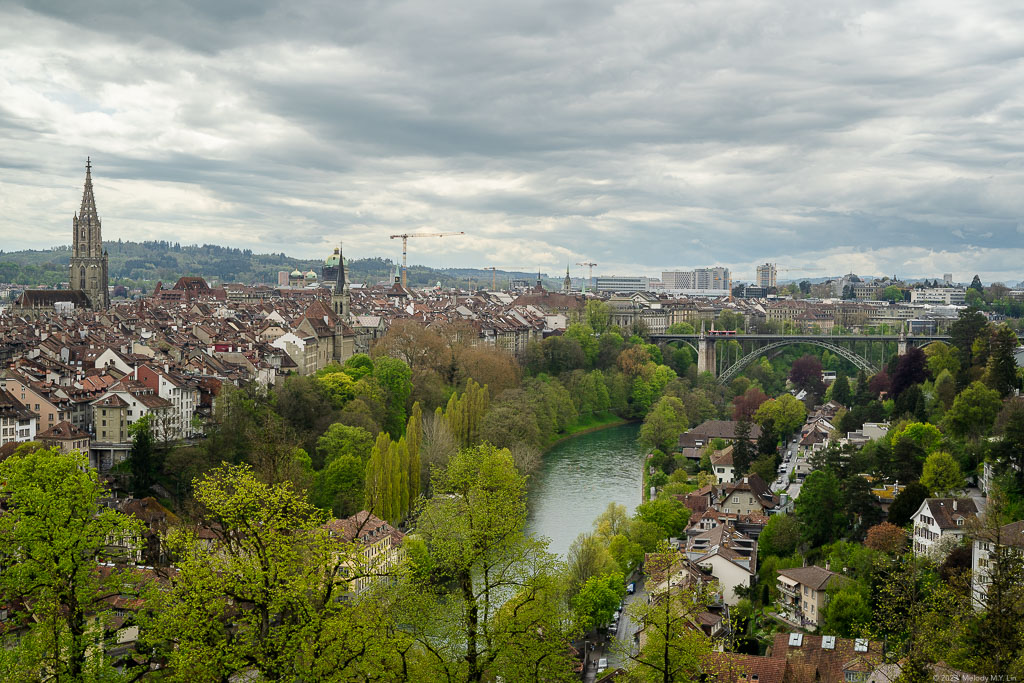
(950, 296)
(940, 523)
(618, 283)
(1010, 535)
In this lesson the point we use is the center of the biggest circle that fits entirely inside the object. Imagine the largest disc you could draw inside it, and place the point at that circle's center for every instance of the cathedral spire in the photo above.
(88, 211)
(88, 266)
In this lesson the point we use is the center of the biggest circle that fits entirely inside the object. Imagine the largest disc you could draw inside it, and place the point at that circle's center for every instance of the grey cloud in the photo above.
(638, 134)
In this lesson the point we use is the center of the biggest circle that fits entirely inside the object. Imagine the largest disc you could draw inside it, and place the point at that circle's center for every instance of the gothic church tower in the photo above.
(340, 298)
(88, 271)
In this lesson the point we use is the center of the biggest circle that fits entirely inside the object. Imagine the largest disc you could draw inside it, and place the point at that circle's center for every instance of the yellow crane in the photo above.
(405, 239)
(590, 273)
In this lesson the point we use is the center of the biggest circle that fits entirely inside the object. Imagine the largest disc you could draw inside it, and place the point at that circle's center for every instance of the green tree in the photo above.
(396, 378)
(584, 336)
(598, 315)
(907, 502)
(973, 411)
(785, 412)
(142, 459)
(941, 357)
(414, 441)
(819, 508)
(780, 536)
(841, 393)
(53, 534)
(343, 440)
(338, 386)
(926, 436)
(260, 596)
(1001, 370)
(502, 617)
(847, 611)
(742, 450)
(358, 366)
(675, 648)
(663, 424)
(596, 601)
(669, 514)
(942, 474)
(339, 487)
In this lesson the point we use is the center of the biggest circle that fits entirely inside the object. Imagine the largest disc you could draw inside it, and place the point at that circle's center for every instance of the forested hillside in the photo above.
(141, 263)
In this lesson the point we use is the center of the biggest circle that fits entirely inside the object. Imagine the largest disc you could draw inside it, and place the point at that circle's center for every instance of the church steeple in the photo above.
(88, 267)
(567, 283)
(340, 299)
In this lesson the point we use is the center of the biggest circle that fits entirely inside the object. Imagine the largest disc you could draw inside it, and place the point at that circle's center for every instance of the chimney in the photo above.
(954, 505)
(828, 566)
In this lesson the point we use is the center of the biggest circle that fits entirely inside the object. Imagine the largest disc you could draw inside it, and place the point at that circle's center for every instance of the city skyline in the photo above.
(617, 133)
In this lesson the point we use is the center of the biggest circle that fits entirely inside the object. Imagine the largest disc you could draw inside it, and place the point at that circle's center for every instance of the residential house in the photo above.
(827, 659)
(721, 465)
(378, 543)
(802, 593)
(692, 442)
(747, 496)
(983, 552)
(729, 555)
(940, 523)
(17, 422)
(66, 437)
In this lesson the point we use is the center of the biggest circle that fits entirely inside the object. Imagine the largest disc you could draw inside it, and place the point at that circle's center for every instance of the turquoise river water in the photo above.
(578, 479)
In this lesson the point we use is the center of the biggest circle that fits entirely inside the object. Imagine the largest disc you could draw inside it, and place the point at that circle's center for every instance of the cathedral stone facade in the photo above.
(88, 269)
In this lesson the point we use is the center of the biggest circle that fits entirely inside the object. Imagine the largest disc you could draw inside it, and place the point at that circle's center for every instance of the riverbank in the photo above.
(588, 424)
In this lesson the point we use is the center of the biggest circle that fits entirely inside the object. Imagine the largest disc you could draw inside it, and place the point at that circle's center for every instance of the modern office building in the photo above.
(766, 275)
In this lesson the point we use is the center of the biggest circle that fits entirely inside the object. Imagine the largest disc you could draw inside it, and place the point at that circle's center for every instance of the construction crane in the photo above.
(590, 274)
(405, 238)
(494, 274)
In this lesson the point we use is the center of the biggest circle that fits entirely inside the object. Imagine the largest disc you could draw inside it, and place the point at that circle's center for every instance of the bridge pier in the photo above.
(706, 354)
(901, 345)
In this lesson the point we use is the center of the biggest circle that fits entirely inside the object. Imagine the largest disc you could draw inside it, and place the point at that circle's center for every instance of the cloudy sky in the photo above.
(879, 137)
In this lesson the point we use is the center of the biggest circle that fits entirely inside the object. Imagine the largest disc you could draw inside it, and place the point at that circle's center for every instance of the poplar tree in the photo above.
(414, 438)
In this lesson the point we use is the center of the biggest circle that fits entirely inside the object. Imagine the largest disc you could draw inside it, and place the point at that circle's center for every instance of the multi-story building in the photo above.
(180, 392)
(1010, 536)
(803, 593)
(66, 437)
(17, 422)
(766, 275)
(950, 296)
(940, 519)
(379, 548)
(619, 283)
(678, 279)
(112, 444)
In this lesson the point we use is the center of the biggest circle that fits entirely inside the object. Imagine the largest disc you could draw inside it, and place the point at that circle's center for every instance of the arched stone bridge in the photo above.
(843, 346)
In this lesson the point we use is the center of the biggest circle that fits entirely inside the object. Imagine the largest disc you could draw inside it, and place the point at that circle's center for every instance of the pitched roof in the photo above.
(946, 511)
(62, 431)
(730, 667)
(814, 577)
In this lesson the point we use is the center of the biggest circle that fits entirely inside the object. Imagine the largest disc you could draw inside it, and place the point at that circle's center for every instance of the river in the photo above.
(578, 479)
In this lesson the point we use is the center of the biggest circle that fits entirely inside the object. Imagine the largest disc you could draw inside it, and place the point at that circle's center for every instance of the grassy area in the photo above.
(589, 423)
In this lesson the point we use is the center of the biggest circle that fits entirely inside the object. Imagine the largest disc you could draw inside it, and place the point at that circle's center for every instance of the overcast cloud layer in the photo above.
(878, 137)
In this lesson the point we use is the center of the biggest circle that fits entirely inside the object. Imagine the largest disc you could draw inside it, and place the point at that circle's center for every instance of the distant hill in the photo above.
(144, 263)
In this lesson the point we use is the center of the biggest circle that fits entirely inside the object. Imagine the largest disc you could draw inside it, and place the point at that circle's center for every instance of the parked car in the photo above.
(631, 588)
(602, 664)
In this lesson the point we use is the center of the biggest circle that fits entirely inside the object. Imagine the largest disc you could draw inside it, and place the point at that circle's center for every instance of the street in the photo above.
(627, 627)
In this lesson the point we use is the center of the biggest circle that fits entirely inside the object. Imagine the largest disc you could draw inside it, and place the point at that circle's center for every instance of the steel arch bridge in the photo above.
(704, 346)
(731, 372)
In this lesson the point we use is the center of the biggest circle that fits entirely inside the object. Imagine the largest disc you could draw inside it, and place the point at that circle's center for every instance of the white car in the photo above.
(602, 664)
